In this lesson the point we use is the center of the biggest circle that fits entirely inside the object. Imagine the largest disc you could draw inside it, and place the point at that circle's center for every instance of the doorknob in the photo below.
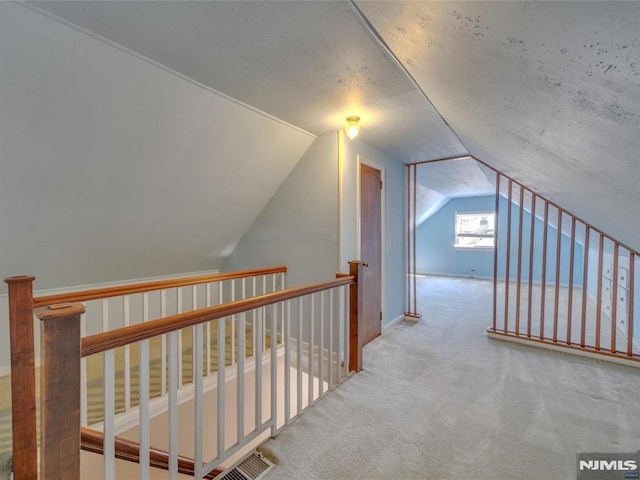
(365, 264)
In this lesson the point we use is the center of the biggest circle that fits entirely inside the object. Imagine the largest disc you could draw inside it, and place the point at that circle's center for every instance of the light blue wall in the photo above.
(394, 228)
(552, 233)
(436, 252)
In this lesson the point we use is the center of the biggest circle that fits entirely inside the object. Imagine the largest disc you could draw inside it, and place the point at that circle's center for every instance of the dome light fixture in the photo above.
(352, 128)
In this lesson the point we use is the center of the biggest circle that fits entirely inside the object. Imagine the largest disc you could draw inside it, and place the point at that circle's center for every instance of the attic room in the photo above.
(156, 140)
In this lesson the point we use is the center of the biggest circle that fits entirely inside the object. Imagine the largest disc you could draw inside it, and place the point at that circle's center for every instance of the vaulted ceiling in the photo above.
(547, 92)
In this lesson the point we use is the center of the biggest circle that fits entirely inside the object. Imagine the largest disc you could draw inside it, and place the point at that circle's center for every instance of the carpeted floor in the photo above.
(439, 400)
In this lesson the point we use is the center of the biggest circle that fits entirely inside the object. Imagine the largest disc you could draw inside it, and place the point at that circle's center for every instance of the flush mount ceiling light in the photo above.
(352, 127)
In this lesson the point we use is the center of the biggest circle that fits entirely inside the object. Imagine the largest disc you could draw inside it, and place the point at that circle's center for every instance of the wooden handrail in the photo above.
(128, 450)
(150, 286)
(60, 325)
(127, 335)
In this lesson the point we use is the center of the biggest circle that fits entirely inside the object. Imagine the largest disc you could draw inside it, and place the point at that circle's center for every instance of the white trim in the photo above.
(560, 348)
(340, 200)
(386, 328)
(370, 163)
(455, 275)
(148, 60)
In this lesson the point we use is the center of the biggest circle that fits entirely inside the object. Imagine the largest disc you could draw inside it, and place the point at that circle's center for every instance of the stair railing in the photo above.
(309, 352)
(107, 308)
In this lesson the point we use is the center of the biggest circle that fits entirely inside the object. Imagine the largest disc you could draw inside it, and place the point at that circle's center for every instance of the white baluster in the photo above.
(321, 353)
(299, 356)
(221, 386)
(179, 306)
(163, 346)
(286, 338)
(311, 346)
(345, 320)
(274, 371)
(198, 400)
(174, 354)
(127, 359)
(233, 325)
(143, 392)
(109, 414)
(258, 358)
(240, 370)
(332, 309)
(83, 376)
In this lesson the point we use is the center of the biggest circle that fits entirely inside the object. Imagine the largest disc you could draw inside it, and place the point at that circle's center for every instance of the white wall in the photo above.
(112, 167)
(394, 229)
(310, 225)
(299, 226)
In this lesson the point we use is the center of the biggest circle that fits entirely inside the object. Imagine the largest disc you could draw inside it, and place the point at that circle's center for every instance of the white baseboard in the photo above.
(456, 275)
(386, 328)
(564, 349)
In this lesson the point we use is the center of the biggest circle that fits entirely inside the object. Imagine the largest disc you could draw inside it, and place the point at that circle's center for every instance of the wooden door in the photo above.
(371, 249)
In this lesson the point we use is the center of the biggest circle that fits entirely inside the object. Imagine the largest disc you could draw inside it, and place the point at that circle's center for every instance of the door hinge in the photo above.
(380, 184)
(380, 315)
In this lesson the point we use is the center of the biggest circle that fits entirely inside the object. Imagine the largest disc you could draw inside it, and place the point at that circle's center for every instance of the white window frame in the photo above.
(458, 235)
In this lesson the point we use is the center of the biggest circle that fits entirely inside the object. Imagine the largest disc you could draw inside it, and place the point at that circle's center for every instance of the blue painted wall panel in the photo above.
(436, 252)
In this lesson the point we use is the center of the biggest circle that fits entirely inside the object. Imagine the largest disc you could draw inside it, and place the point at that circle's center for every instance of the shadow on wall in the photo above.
(436, 252)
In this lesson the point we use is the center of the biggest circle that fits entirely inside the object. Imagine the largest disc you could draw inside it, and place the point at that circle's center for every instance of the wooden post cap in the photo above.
(20, 279)
(60, 310)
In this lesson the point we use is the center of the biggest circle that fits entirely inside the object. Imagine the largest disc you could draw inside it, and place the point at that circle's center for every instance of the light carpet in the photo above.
(439, 400)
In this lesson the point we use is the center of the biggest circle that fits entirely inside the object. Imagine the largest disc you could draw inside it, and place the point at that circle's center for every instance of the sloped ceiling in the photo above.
(111, 168)
(438, 182)
(310, 63)
(459, 178)
(547, 92)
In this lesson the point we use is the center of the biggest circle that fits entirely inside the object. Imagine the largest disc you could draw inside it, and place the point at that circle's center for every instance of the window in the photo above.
(475, 230)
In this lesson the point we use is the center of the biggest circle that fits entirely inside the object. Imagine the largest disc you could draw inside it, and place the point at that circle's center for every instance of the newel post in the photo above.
(355, 317)
(60, 390)
(23, 378)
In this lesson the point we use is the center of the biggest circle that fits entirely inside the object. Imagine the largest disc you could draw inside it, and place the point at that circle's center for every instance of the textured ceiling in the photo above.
(547, 92)
(459, 178)
(308, 63)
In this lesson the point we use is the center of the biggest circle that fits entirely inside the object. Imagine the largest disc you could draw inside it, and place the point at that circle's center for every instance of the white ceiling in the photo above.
(308, 63)
(457, 178)
(547, 92)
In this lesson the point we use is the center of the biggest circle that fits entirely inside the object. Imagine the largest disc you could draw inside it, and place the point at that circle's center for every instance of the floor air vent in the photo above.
(253, 467)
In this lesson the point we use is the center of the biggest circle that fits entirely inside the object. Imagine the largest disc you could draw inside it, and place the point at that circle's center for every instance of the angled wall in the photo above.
(436, 252)
(112, 167)
(299, 226)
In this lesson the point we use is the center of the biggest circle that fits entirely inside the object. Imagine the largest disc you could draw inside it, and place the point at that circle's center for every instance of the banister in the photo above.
(128, 450)
(60, 391)
(23, 377)
(108, 292)
(127, 335)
